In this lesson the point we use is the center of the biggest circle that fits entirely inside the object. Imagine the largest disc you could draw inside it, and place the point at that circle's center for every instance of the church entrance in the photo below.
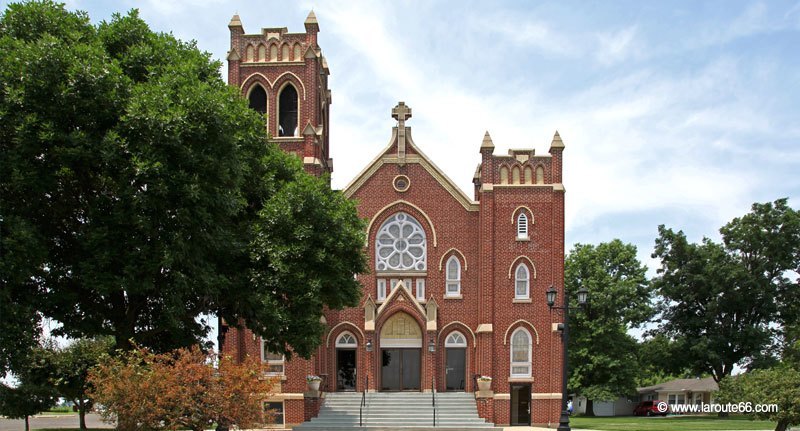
(345, 369)
(401, 354)
(521, 404)
(400, 369)
(455, 368)
(346, 348)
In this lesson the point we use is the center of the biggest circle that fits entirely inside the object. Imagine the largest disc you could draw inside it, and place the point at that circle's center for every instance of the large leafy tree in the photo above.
(725, 303)
(139, 192)
(601, 353)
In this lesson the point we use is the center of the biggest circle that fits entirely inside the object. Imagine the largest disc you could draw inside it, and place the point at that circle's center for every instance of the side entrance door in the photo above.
(521, 404)
(455, 368)
(345, 369)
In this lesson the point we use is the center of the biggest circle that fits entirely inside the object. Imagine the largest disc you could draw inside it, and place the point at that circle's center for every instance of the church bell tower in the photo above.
(285, 77)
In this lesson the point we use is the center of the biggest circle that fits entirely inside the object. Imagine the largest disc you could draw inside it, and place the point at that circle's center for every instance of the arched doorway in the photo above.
(346, 346)
(401, 351)
(455, 351)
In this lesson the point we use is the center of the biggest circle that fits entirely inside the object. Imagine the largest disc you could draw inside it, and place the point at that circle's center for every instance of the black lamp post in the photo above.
(551, 294)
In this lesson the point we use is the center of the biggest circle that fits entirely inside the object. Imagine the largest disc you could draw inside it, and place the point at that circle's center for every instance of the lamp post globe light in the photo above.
(551, 295)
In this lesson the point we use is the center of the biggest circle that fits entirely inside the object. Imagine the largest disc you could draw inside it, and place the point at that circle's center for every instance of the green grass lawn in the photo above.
(670, 423)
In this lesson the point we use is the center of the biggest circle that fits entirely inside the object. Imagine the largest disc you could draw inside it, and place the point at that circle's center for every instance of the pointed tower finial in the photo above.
(311, 18)
(487, 141)
(235, 21)
(557, 142)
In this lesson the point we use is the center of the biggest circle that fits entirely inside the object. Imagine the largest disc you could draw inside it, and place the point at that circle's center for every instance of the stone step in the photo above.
(397, 411)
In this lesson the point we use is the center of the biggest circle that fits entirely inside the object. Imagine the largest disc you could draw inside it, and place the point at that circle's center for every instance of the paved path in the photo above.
(52, 421)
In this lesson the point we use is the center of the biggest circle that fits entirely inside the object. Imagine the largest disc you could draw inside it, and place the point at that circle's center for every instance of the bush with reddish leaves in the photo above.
(180, 389)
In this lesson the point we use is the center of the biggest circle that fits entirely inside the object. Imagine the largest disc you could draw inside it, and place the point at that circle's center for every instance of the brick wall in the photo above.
(483, 236)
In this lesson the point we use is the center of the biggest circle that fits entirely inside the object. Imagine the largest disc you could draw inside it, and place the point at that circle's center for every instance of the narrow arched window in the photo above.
(273, 52)
(287, 116)
(258, 99)
(297, 54)
(503, 175)
(250, 53)
(521, 347)
(539, 175)
(262, 53)
(515, 175)
(453, 277)
(285, 52)
(522, 281)
(522, 226)
(528, 175)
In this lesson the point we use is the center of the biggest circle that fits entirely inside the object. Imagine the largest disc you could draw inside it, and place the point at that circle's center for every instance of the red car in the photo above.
(651, 408)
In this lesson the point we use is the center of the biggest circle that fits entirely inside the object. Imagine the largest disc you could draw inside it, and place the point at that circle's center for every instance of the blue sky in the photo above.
(681, 113)
(676, 113)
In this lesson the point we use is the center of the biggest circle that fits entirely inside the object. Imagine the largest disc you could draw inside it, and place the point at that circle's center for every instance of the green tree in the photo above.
(601, 352)
(660, 359)
(24, 401)
(32, 394)
(66, 370)
(720, 300)
(779, 386)
(139, 192)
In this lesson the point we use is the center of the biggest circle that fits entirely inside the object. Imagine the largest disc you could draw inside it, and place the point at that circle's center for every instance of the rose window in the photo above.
(400, 245)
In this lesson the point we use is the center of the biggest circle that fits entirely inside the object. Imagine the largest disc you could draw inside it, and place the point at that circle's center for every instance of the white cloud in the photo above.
(616, 46)
(641, 141)
(667, 130)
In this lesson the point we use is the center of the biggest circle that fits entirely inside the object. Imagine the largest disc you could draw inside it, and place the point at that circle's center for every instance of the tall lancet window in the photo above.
(453, 277)
(287, 116)
(522, 280)
(401, 245)
(258, 99)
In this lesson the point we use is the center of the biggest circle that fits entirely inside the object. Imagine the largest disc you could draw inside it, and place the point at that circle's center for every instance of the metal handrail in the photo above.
(433, 398)
(363, 402)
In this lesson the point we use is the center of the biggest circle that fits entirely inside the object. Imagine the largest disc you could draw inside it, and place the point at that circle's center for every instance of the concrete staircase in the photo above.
(397, 411)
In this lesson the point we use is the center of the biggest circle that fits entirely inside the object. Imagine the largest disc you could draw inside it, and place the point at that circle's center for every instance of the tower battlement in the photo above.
(284, 76)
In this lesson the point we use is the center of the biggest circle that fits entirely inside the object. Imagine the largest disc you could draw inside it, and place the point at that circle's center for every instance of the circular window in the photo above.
(400, 245)
(401, 183)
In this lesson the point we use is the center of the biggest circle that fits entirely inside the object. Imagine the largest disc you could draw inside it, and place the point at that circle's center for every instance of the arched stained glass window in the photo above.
(401, 245)
(521, 353)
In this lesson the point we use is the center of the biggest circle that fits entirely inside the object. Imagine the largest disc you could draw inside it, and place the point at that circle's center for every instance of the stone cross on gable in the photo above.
(401, 113)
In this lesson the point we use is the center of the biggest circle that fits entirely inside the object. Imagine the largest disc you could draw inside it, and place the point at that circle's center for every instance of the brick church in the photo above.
(457, 283)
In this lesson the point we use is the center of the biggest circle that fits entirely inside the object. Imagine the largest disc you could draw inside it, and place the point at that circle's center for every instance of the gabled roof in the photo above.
(680, 385)
(418, 157)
